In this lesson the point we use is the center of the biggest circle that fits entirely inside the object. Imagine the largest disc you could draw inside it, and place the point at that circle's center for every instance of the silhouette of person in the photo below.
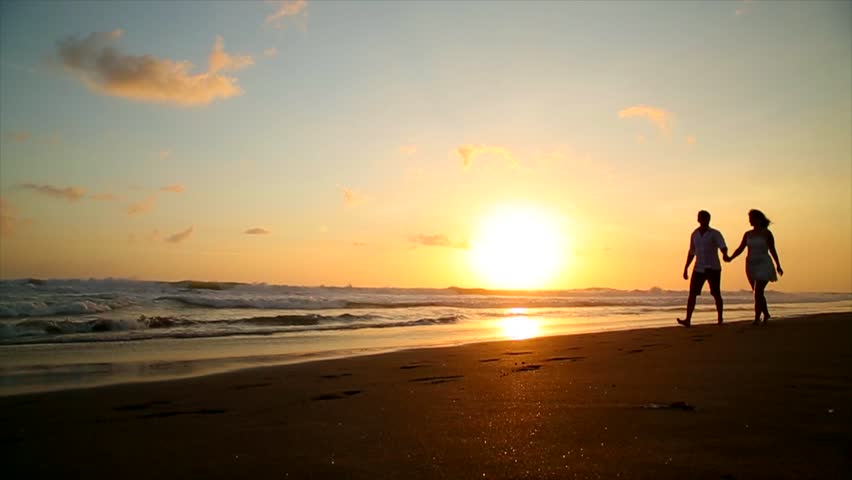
(704, 244)
(759, 268)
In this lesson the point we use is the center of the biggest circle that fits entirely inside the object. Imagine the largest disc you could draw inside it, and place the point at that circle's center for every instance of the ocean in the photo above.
(59, 334)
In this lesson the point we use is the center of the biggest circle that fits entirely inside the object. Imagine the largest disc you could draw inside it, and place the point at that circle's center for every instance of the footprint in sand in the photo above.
(517, 353)
(141, 406)
(636, 350)
(563, 359)
(250, 385)
(413, 366)
(527, 368)
(336, 375)
(436, 380)
(486, 360)
(336, 396)
(206, 411)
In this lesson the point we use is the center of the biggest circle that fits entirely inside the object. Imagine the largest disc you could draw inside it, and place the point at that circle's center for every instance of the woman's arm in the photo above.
(739, 249)
(770, 242)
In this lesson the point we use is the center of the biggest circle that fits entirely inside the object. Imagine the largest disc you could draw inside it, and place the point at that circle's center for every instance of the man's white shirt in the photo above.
(706, 249)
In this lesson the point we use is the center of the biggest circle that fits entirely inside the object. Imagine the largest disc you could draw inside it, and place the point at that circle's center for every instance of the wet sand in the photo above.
(730, 402)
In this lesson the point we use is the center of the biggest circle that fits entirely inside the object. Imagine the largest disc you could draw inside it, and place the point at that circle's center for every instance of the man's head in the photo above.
(704, 218)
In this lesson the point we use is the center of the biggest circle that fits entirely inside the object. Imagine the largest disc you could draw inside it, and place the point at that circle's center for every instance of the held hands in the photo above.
(726, 258)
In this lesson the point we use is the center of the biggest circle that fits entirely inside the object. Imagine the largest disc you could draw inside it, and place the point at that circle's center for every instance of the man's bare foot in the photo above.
(685, 323)
(719, 321)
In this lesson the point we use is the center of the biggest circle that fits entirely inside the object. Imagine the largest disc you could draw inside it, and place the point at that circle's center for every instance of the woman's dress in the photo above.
(759, 266)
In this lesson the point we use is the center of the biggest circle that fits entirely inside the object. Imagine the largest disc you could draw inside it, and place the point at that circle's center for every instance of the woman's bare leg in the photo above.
(760, 305)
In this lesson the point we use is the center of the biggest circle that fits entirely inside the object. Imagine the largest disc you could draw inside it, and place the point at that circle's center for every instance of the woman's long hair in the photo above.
(759, 218)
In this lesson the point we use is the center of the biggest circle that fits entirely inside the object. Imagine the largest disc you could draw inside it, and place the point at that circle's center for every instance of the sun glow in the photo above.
(518, 248)
(519, 327)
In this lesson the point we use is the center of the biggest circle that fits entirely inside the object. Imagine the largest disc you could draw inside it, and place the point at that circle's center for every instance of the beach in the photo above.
(727, 402)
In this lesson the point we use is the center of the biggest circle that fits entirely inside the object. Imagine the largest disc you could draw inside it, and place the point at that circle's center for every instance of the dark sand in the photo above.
(730, 402)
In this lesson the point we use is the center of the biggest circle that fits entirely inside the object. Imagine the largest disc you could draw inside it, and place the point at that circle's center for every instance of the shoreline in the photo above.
(706, 402)
(159, 360)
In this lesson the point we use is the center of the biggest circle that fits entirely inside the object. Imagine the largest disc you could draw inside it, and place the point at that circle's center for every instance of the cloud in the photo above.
(351, 198)
(52, 139)
(744, 8)
(176, 188)
(691, 140)
(408, 149)
(221, 61)
(9, 220)
(284, 9)
(360, 244)
(470, 152)
(104, 69)
(180, 236)
(104, 197)
(270, 52)
(640, 139)
(19, 136)
(143, 206)
(71, 194)
(659, 117)
(164, 154)
(257, 231)
(437, 240)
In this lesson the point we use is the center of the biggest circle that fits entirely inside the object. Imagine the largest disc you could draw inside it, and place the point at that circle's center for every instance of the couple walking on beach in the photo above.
(704, 245)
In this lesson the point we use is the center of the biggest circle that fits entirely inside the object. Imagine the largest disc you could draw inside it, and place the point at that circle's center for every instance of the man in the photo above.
(703, 246)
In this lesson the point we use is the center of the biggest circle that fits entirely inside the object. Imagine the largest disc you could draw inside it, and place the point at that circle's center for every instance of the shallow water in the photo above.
(73, 333)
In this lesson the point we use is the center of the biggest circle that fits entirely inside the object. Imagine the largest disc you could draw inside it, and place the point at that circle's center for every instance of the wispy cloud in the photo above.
(359, 244)
(176, 188)
(408, 149)
(103, 197)
(19, 136)
(52, 139)
(662, 119)
(219, 60)
(469, 153)
(71, 194)
(181, 236)
(270, 52)
(691, 140)
(257, 231)
(144, 206)
(23, 136)
(351, 198)
(744, 8)
(437, 240)
(9, 219)
(104, 69)
(164, 154)
(284, 9)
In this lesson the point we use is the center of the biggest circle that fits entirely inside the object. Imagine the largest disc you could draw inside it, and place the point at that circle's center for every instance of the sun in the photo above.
(518, 248)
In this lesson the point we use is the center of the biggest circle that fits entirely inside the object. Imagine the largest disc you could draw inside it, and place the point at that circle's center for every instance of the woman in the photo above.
(759, 268)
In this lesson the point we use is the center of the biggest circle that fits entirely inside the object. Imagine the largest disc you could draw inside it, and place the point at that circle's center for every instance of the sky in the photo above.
(378, 143)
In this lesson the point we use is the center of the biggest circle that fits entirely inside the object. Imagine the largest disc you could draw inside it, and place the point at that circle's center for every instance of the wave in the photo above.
(380, 302)
(67, 306)
(49, 330)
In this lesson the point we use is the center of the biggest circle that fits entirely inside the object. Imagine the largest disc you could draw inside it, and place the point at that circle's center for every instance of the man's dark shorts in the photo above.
(713, 278)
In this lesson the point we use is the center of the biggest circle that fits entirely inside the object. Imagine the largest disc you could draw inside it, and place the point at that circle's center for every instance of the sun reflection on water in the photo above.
(519, 326)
